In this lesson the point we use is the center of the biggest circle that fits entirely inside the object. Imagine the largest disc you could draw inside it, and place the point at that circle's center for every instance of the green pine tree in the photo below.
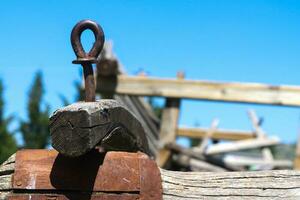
(35, 130)
(79, 91)
(8, 144)
(80, 95)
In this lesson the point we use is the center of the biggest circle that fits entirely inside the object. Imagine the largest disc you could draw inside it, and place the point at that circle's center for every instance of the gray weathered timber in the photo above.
(6, 170)
(79, 127)
(136, 105)
(282, 95)
(219, 134)
(215, 185)
(231, 185)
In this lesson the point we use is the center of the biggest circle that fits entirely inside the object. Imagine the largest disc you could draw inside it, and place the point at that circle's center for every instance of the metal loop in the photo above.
(76, 40)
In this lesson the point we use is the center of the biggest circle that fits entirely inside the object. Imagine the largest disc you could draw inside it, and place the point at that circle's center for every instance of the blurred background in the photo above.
(239, 41)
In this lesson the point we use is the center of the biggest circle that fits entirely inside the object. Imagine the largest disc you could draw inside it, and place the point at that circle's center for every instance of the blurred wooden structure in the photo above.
(113, 83)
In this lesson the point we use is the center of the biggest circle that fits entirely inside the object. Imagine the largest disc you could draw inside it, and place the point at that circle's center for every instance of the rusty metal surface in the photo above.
(86, 59)
(151, 186)
(115, 172)
(74, 197)
(91, 56)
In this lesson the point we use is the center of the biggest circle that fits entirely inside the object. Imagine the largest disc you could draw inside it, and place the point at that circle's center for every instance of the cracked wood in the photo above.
(79, 127)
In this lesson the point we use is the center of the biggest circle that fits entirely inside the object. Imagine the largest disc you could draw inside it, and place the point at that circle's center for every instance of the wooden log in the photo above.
(196, 165)
(219, 134)
(279, 184)
(78, 128)
(177, 149)
(231, 185)
(241, 145)
(248, 161)
(214, 91)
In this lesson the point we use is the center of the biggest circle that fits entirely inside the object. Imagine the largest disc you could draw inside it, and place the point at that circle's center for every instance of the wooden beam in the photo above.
(247, 161)
(107, 124)
(177, 149)
(261, 185)
(241, 145)
(215, 91)
(219, 134)
(278, 184)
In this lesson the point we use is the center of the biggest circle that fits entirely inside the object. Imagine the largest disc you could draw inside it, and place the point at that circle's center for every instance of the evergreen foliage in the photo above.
(35, 130)
(8, 144)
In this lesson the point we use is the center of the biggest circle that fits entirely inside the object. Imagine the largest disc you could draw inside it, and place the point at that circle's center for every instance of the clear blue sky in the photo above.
(249, 41)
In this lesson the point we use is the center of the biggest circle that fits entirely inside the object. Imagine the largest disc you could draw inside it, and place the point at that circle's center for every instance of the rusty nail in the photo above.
(19, 183)
(86, 59)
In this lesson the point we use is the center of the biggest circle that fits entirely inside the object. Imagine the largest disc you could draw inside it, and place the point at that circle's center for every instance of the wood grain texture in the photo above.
(6, 172)
(231, 185)
(221, 185)
(79, 127)
(206, 90)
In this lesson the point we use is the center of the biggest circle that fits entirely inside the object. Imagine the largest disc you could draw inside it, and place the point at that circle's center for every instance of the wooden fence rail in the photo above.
(215, 91)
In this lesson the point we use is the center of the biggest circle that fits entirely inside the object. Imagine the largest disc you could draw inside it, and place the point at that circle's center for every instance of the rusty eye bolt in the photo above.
(87, 59)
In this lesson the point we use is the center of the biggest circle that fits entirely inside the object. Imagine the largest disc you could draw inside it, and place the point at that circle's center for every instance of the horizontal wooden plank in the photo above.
(219, 134)
(262, 185)
(206, 90)
(241, 145)
(237, 160)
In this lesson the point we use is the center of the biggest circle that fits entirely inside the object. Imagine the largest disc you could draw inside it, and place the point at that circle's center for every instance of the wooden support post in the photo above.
(297, 155)
(168, 126)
